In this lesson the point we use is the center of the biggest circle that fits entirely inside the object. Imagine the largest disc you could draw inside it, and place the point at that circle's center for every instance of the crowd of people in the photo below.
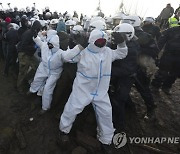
(107, 60)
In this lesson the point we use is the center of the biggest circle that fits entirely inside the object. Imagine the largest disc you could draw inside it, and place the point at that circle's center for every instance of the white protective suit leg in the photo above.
(48, 91)
(40, 91)
(74, 106)
(103, 111)
(39, 80)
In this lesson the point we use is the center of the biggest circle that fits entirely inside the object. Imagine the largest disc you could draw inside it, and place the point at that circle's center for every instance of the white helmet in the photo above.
(54, 21)
(24, 16)
(70, 23)
(99, 24)
(149, 20)
(125, 28)
(135, 21)
(68, 16)
(53, 24)
(48, 15)
(77, 29)
(97, 18)
(61, 19)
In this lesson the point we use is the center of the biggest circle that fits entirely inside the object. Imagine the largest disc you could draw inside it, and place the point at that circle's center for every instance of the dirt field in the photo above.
(23, 131)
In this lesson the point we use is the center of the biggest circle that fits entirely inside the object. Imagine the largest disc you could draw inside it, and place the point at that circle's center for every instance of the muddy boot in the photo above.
(63, 140)
(107, 149)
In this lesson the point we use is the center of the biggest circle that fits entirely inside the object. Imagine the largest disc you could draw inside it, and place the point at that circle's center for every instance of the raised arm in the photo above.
(38, 41)
(121, 52)
(72, 55)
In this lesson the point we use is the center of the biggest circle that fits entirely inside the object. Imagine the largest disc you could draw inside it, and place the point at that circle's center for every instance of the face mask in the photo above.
(50, 46)
(100, 42)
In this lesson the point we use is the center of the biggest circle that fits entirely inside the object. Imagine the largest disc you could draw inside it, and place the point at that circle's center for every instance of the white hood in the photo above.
(97, 34)
(53, 38)
(50, 33)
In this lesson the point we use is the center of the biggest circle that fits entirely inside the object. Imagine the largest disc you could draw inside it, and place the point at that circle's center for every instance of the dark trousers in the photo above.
(11, 58)
(142, 83)
(1, 51)
(120, 100)
(25, 62)
(4, 49)
(169, 71)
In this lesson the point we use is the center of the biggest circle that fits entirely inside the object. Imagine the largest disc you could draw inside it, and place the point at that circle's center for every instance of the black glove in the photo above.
(81, 39)
(117, 37)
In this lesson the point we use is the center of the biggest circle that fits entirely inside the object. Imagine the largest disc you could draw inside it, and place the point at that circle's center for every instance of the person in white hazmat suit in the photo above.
(91, 86)
(50, 68)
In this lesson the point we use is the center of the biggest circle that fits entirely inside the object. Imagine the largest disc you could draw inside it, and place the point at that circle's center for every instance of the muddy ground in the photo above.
(23, 131)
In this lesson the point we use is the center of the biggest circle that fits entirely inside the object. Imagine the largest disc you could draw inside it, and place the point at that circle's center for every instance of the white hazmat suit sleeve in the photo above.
(120, 53)
(72, 55)
(38, 41)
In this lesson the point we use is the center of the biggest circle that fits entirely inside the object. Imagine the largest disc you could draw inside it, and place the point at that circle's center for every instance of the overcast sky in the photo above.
(143, 8)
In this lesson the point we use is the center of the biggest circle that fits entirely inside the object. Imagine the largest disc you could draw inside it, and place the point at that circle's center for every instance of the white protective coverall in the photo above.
(49, 70)
(91, 85)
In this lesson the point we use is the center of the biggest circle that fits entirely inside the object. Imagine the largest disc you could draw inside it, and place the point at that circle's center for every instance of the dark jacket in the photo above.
(63, 40)
(4, 28)
(127, 66)
(12, 40)
(22, 29)
(29, 14)
(171, 40)
(27, 44)
(147, 43)
(153, 30)
(12, 37)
